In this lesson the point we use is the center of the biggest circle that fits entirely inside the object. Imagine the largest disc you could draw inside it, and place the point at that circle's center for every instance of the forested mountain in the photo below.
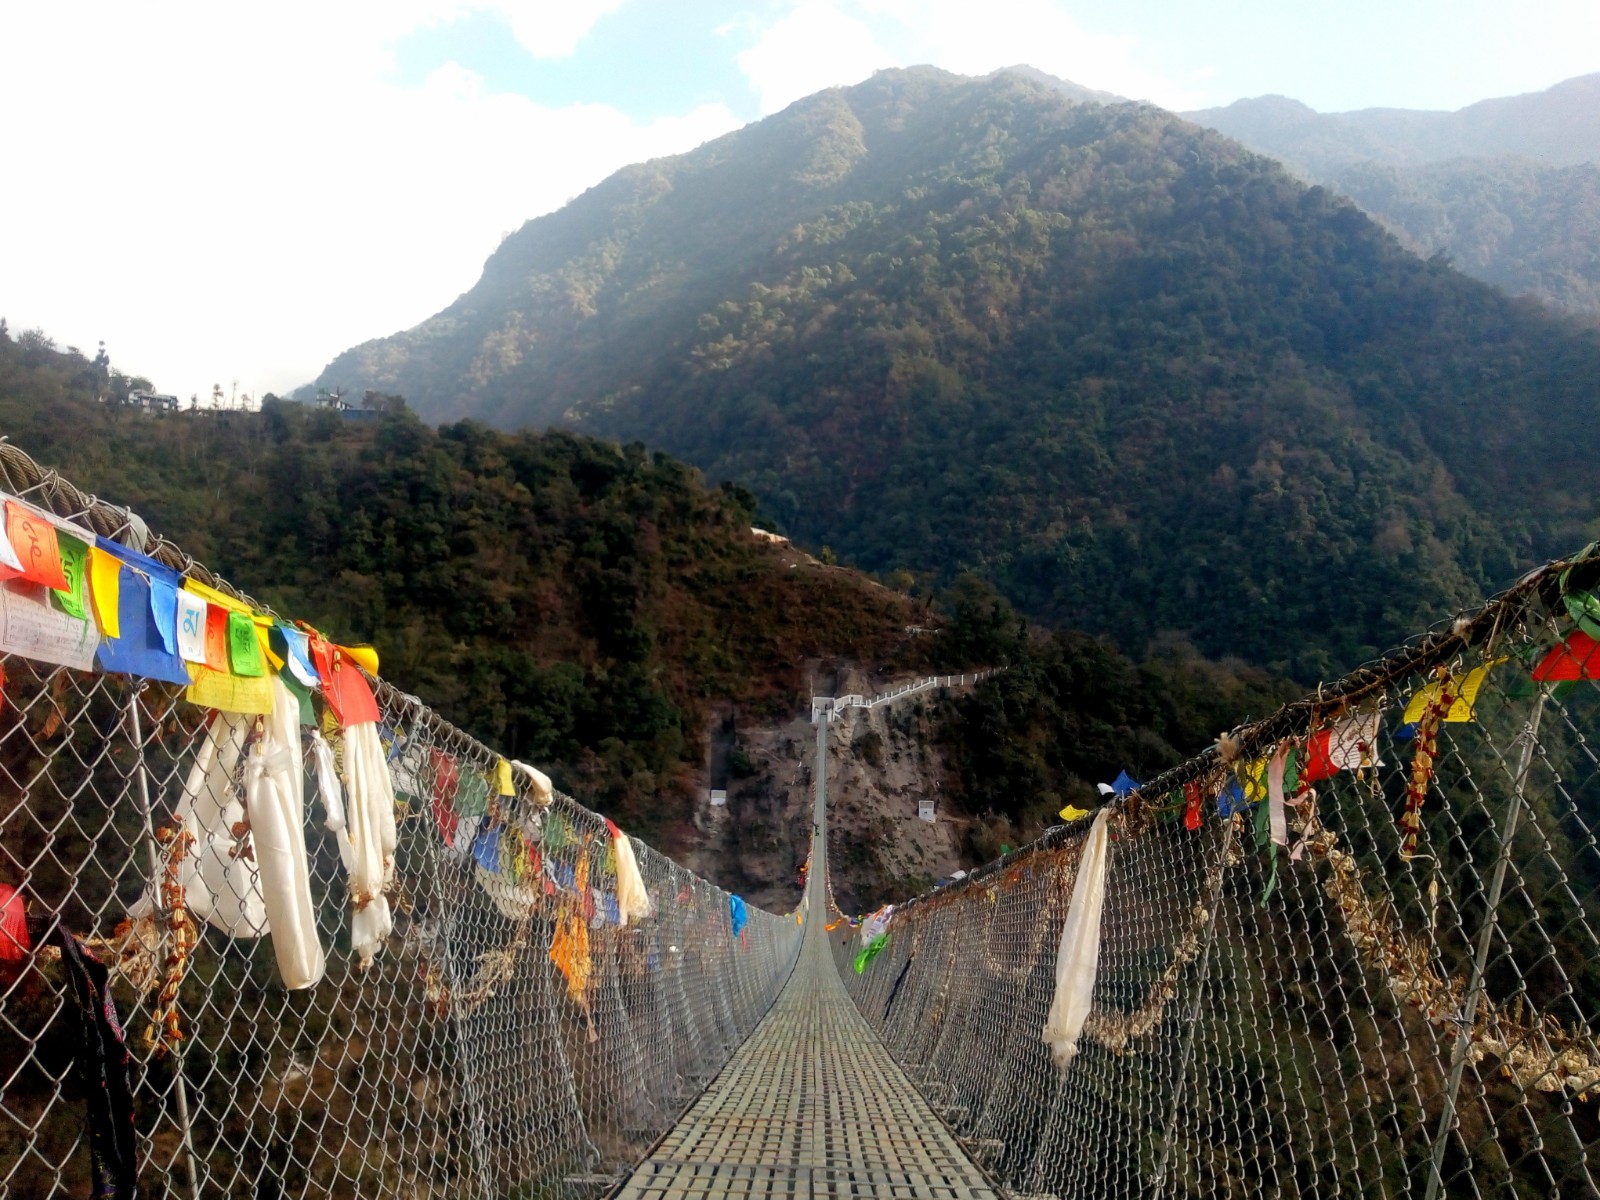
(1508, 188)
(1527, 228)
(588, 606)
(1140, 378)
(571, 602)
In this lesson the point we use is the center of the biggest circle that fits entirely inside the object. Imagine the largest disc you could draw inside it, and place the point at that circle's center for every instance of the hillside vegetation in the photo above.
(1508, 188)
(569, 601)
(595, 608)
(1071, 713)
(1141, 379)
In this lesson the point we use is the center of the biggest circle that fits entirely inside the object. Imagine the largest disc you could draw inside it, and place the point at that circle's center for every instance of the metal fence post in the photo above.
(142, 777)
(1480, 964)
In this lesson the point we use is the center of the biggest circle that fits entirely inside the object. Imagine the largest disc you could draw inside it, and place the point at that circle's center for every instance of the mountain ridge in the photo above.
(1509, 187)
(1558, 126)
(944, 324)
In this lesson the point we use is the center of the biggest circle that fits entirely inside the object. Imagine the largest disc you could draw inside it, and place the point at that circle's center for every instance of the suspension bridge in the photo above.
(812, 1104)
(1351, 949)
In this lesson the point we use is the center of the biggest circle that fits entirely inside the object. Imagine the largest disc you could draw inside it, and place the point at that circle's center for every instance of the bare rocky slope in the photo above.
(881, 763)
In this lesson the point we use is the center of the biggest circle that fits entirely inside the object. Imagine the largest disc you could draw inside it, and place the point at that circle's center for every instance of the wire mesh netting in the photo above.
(512, 1035)
(1350, 950)
(1335, 1012)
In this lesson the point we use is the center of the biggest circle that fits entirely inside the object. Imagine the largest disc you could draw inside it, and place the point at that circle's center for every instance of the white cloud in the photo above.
(223, 194)
(552, 28)
(812, 46)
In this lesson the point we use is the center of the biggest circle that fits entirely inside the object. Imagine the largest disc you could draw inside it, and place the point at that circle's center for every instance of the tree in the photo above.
(384, 402)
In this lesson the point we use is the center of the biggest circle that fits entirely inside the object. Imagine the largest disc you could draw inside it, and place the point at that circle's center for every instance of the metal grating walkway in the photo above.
(812, 1104)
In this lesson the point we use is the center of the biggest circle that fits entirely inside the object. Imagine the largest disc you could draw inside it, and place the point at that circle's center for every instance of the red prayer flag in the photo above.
(1319, 760)
(34, 540)
(343, 685)
(1349, 744)
(217, 638)
(14, 945)
(1578, 657)
(446, 774)
(1191, 807)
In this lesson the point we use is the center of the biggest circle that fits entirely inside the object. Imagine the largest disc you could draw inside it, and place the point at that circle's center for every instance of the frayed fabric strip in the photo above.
(369, 816)
(1078, 957)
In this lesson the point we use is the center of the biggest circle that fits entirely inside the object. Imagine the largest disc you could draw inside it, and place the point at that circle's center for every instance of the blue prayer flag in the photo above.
(142, 649)
(1231, 800)
(486, 847)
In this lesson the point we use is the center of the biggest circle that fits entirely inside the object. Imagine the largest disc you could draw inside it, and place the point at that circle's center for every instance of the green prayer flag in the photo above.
(74, 568)
(302, 695)
(555, 832)
(472, 794)
(870, 951)
(244, 651)
(1272, 877)
(1520, 687)
(1584, 608)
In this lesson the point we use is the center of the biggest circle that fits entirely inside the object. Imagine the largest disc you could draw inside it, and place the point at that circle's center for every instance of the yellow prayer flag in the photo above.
(1253, 775)
(1069, 813)
(105, 586)
(229, 693)
(1466, 696)
(221, 599)
(263, 636)
(569, 950)
(502, 778)
(364, 657)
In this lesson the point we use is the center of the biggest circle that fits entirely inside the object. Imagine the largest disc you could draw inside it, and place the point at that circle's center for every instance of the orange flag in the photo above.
(34, 540)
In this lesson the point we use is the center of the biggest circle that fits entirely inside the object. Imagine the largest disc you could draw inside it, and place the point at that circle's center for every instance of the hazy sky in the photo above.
(225, 192)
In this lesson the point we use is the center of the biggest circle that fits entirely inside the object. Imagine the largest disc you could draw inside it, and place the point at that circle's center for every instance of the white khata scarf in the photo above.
(275, 792)
(1078, 958)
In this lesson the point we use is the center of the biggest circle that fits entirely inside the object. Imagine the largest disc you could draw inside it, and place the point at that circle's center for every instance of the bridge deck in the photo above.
(811, 1105)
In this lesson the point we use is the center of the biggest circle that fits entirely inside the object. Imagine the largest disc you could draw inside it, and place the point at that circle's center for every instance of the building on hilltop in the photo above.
(373, 404)
(147, 401)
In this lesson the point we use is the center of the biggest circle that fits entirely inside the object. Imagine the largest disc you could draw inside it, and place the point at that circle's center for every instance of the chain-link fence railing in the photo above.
(1353, 950)
(512, 1034)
